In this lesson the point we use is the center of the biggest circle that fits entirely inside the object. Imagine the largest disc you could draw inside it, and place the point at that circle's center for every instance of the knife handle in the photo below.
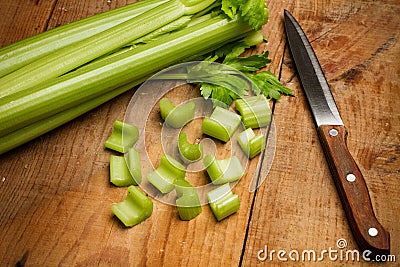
(353, 192)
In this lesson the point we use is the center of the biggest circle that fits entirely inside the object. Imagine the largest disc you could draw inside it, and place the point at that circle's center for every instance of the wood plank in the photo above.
(21, 19)
(55, 196)
(298, 208)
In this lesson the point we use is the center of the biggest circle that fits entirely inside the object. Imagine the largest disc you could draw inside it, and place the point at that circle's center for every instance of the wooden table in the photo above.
(55, 195)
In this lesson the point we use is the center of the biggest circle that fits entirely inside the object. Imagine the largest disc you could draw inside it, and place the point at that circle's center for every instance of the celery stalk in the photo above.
(170, 27)
(18, 54)
(36, 129)
(96, 79)
(136, 207)
(71, 56)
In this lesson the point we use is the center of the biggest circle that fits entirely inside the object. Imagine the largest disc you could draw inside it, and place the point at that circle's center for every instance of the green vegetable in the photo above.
(125, 171)
(31, 131)
(170, 27)
(189, 152)
(253, 11)
(223, 202)
(70, 57)
(119, 172)
(250, 67)
(235, 49)
(188, 201)
(222, 82)
(255, 111)
(224, 170)
(136, 207)
(21, 53)
(77, 87)
(267, 83)
(221, 124)
(168, 172)
(123, 137)
(24, 112)
(176, 117)
(251, 144)
(132, 159)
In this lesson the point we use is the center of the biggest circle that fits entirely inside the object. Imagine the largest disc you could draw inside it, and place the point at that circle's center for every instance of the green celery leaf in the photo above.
(229, 9)
(251, 11)
(250, 63)
(222, 96)
(267, 83)
(232, 50)
(206, 90)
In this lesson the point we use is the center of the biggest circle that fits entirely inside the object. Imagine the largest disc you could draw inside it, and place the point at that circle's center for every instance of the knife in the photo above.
(352, 189)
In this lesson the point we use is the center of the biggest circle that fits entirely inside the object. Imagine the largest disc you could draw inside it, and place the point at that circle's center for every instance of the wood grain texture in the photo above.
(55, 195)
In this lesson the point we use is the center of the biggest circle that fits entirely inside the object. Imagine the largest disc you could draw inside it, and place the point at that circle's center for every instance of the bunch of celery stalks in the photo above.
(51, 78)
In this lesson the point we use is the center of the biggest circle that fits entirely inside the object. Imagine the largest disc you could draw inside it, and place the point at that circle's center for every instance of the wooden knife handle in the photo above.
(353, 192)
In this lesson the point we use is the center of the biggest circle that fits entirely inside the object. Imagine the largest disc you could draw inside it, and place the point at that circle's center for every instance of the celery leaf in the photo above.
(250, 63)
(267, 83)
(252, 11)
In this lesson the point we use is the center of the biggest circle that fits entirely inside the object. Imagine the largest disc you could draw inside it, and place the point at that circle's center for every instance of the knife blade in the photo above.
(352, 189)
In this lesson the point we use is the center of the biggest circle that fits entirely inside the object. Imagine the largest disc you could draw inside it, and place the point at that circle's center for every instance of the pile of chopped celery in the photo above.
(170, 174)
(53, 77)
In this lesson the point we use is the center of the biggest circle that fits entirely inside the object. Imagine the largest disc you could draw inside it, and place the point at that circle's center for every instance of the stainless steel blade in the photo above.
(312, 78)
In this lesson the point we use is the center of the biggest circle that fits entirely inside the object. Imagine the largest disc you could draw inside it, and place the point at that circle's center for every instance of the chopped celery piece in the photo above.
(134, 209)
(221, 124)
(176, 117)
(123, 137)
(183, 187)
(168, 171)
(189, 152)
(188, 207)
(119, 172)
(251, 144)
(223, 202)
(224, 170)
(133, 162)
(188, 201)
(125, 171)
(255, 111)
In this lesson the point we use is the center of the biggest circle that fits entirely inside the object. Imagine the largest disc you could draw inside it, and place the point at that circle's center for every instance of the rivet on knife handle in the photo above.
(353, 192)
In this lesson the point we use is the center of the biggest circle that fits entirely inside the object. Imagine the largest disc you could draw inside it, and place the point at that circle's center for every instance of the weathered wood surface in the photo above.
(55, 196)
